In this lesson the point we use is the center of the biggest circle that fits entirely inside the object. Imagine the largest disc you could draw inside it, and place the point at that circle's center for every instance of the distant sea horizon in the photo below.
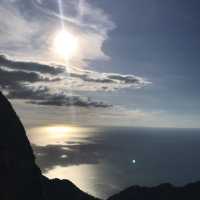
(105, 160)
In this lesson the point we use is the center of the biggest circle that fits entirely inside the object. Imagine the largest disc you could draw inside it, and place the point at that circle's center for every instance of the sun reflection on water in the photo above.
(56, 134)
(85, 176)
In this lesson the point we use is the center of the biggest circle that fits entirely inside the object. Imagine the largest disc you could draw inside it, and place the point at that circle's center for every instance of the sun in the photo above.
(65, 44)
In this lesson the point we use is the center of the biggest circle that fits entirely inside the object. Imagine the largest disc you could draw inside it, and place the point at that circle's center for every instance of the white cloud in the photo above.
(88, 80)
(28, 36)
(15, 30)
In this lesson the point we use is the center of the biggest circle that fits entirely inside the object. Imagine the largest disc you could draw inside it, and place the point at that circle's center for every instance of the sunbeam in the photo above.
(66, 45)
(60, 7)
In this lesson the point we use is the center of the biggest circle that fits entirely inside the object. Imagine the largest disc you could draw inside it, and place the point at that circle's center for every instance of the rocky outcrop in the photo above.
(57, 189)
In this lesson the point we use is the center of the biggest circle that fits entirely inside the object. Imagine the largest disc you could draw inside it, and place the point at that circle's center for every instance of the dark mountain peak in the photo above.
(164, 191)
(165, 186)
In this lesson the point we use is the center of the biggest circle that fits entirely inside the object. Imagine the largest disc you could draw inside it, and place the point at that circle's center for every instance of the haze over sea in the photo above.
(103, 161)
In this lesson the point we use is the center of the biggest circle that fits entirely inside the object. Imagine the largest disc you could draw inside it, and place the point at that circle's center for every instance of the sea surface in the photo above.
(104, 161)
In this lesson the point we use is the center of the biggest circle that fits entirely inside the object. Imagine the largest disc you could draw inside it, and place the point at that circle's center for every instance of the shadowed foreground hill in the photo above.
(21, 179)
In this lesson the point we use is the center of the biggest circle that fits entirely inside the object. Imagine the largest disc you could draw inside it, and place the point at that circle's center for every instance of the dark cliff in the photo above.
(20, 178)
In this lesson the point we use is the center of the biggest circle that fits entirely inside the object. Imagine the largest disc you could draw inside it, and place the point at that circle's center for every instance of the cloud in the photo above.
(13, 79)
(88, 80)
(15, 30)
(5, 61)
(9, 78)
(42, 96)
(32, 25)
(27, 93)
(84, 75)
(63, 100)
(76, 79)
(29, 34)
(31, 81)
(126, 79)
(87, 76)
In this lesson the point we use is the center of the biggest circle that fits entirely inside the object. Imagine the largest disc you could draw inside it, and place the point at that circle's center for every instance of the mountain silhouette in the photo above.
(21, 178)
(161, 192)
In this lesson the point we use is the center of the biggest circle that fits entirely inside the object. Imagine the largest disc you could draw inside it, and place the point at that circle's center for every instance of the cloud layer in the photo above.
(46, 84)
(28, 38)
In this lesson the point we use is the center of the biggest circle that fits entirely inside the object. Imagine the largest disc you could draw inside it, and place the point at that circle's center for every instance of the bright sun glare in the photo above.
(56, 134)
(65, 44)
(59, 130)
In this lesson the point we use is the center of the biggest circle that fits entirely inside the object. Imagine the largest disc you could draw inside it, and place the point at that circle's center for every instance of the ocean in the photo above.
(105, 160)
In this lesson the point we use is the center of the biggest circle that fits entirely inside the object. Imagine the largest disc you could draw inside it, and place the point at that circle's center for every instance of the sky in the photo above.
(100, 62)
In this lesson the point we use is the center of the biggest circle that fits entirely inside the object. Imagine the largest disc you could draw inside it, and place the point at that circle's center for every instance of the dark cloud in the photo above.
(127, 79)
(82, 79)
(87, 77)
(29, 66)
(91, 76)
(17, 84)
(31, 81)
(63, 100)
(26, 93)
(10, 78)
(42, 96)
